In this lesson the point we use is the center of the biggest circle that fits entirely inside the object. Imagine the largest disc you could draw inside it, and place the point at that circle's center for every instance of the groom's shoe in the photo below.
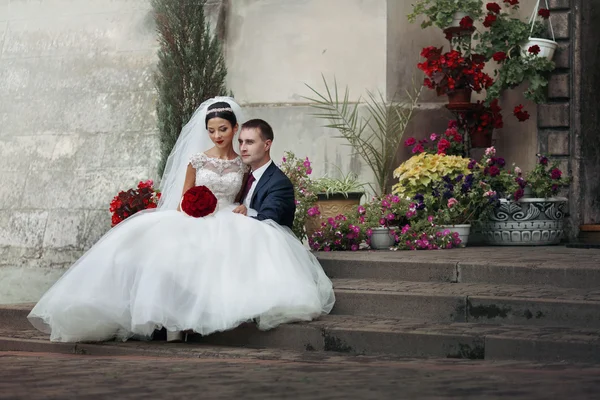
(174, 336)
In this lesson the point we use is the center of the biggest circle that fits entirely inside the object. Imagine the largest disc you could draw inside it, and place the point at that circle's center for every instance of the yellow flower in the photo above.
(418, 173)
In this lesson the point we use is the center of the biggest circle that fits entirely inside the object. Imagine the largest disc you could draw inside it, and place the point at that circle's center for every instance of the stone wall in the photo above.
(77, 105)
(77, 123)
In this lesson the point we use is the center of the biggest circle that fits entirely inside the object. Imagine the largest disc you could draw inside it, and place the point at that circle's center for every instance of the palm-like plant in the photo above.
(376, 136)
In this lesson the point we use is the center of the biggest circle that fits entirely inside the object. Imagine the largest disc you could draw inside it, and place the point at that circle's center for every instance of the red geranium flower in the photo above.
(489, 20)
(494, 171)
(467, 22)
(535, 49)
(544, 13)
(443, 145)
(556, 173)
(499, 56)
(198, 202)
(410, 142)
(520, 114)
(493, 7)
(512, 2)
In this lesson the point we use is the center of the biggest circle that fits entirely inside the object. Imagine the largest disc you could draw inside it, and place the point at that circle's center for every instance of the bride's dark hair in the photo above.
(220, 110)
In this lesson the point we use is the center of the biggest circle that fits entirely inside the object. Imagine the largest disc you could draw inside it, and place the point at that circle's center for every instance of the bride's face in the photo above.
(221, 132)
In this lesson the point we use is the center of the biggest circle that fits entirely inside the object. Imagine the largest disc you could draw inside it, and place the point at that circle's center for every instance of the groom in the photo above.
(267, 193)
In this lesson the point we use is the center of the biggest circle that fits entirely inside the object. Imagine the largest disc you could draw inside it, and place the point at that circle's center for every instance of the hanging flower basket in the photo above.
(546, 47)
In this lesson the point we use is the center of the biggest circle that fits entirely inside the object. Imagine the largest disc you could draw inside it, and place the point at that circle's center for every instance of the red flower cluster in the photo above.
(535, 49)
(493, 7)
(483, 120)
(129, 202)
(489, 20)
(198, 202)
(499, 56)
(449, 143)
(512, 2)
(451, 71)
(544, 13)
(520, 114)
(466, 22)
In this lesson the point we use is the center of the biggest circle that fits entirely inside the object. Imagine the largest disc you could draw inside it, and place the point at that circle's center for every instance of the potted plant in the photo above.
(375, 134)
(505, 40)
(418, 173)
(382, 216)
(334, 196)
(453, 74)
(539, 33)
(536, 220)
(450, 143)
(342, 232)
(445, 13)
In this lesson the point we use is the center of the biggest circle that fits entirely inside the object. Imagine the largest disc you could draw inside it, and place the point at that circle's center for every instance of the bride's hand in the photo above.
(241, 209)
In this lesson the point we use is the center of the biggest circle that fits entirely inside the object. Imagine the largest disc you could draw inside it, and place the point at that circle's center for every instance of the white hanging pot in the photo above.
(456, 18)
(547, 46)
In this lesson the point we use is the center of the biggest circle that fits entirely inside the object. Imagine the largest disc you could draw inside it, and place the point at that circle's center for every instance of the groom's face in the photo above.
(253, 148)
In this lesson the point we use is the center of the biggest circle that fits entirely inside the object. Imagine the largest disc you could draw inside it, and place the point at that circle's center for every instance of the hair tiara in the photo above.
(216, 110)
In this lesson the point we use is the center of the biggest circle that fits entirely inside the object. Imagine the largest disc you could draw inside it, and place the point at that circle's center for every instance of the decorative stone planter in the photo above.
(330, 207)
(381, 239)
(463, 231)
(527, 222)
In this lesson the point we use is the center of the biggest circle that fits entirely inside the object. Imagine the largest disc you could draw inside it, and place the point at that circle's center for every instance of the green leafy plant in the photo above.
(191, 67)
(376, 136)
(502, 40)
(298, 171)
(546, 179)
(418, 173)
(441, 12)
(346, 183)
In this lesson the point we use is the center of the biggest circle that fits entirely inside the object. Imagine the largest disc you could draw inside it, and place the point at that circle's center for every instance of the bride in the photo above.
(163, 269)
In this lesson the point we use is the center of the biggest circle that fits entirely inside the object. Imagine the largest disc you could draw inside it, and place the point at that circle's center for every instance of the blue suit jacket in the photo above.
(273, 197)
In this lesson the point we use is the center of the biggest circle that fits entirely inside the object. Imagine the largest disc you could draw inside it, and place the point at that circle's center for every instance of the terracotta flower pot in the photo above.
(460, 96)
(481, 139)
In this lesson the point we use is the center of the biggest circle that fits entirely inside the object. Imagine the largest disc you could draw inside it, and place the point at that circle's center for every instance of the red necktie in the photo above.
(248, 186)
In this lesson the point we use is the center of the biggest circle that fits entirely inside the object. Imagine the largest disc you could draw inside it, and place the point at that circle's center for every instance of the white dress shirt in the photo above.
(257, 175)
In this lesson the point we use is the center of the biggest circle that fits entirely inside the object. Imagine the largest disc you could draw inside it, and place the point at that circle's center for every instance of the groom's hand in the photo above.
(241, 209)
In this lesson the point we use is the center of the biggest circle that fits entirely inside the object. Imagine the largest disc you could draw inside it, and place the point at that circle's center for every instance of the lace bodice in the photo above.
(223, 177)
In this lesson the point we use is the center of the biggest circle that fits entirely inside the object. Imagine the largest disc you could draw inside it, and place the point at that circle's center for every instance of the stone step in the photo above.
(363, 335)
(414, 338)
(548, 265)
(469, 302)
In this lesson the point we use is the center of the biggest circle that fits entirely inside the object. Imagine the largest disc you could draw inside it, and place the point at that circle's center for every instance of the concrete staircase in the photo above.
(478, 303)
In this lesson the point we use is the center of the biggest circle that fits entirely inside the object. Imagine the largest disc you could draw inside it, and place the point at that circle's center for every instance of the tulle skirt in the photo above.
(165, 269)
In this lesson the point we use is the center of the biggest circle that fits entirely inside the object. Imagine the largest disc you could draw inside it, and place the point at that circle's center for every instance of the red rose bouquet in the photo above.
(198, 202)
(129, 202)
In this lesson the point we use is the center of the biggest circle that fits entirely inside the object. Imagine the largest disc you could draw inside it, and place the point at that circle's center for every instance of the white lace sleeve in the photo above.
(197, 160)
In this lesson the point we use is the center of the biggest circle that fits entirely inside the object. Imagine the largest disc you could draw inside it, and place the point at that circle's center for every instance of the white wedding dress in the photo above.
(165, 269)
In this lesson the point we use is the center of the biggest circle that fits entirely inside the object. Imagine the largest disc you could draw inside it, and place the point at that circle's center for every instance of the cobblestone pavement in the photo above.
(316, 376)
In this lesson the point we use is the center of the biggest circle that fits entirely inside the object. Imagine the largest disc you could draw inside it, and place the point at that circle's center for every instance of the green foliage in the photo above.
(441, 12)
(505, 35)
(298, 171)
(374, 137)
(191, 67)
(346, 183)
(546, 179)
(514, 71)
